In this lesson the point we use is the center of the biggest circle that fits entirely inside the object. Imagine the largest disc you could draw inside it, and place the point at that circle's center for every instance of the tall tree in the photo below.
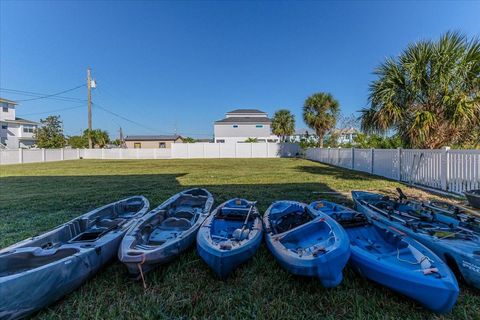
(283, 124)
(320, 112)
(429, 95)
(100, 137)
(77, 141)
(50, 134)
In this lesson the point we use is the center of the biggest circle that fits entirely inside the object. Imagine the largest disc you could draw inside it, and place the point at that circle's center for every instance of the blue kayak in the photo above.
(230, 236)
(455, 244)
(306, 243)
(385, 255)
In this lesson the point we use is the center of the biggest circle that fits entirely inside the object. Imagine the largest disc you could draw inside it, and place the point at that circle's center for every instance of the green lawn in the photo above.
(37, 197)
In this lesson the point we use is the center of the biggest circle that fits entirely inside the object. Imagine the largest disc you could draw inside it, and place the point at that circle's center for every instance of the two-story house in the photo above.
(15, 132)
(241, 124)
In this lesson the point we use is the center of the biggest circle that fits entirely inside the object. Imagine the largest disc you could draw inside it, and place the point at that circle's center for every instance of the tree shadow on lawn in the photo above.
(187, 288)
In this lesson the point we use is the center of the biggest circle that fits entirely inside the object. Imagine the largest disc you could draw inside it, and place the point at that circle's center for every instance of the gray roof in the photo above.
(246, 111)
(21, 121)
(153, 138)
(244, 120)
(7, 101)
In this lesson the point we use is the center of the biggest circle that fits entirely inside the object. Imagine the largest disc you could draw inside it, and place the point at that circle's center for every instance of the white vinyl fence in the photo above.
(177, 151)
(450, 170)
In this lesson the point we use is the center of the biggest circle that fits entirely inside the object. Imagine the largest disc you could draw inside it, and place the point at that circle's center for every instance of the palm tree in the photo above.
(320, 112)
(429, 95)
(283, 124)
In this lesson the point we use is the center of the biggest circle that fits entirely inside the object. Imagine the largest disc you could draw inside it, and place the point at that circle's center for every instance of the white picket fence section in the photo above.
(177, 151)
(451, 170)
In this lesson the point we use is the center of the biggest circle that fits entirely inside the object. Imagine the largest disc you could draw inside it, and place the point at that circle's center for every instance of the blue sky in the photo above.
(182, 65)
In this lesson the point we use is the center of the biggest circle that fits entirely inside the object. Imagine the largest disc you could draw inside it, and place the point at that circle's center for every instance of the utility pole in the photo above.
(89, 102)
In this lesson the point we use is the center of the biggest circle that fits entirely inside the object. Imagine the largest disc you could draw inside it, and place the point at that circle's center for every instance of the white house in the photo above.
(15, 132)
(241, 124)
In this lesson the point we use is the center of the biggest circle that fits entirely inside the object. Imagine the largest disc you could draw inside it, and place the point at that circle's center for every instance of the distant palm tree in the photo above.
(320, 112)
(429, 95)
(251, 140)
(283, 124)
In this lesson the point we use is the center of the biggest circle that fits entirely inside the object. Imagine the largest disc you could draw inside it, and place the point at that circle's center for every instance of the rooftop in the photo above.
(21, 121)
(245, 120)
(153, 138)
(246, 111)
(7, 101)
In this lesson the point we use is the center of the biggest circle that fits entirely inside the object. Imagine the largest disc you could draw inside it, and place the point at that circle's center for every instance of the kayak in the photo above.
(466, 217)
(473, 197)
(230, 236)
(456, 245)
(165, 232)
(40, 270)
(306, 243)
(387, 256)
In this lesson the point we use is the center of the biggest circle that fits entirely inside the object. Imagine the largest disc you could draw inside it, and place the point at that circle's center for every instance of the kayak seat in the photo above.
(176, 223)
(109, 223)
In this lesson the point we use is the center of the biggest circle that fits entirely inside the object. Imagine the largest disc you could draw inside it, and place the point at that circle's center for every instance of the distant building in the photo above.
(15, 132)
(346, 135)
(302, 134)
(241, 124)
(152, 142)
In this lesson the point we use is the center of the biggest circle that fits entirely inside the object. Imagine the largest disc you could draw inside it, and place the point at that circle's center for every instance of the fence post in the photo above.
(44, 157)
(155, 153)
(372, 159)
(266, 144)
(399, 156)
(62, 154)
(338, 156)
(20, 155)
(103, 153)
(444, 168)
(353, 158)
(236, 143)
(328, 156)
(204, 150)
(251, 149)
(137, 153)
(78, 153)
(188, 150)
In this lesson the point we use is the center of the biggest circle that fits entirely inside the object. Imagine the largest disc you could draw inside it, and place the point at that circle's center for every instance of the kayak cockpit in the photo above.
(287, 215)
(171, 221)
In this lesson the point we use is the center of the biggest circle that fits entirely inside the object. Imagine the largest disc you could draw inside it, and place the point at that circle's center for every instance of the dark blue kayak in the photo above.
(454, 243)
(385, 255)
(306, 243)
(40, 270)
(230, 236)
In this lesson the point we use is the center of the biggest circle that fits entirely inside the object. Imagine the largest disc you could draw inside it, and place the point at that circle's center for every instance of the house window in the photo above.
(5, 109)
(220, 141)
(28, 129)
(162, 145)
(4, 127)
(137, 145)
(259, 126)
(235, 125)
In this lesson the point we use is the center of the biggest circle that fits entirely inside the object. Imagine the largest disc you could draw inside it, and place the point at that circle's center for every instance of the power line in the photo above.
(52, 111)
(125, 118)
(53, 94)
(38, 95)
